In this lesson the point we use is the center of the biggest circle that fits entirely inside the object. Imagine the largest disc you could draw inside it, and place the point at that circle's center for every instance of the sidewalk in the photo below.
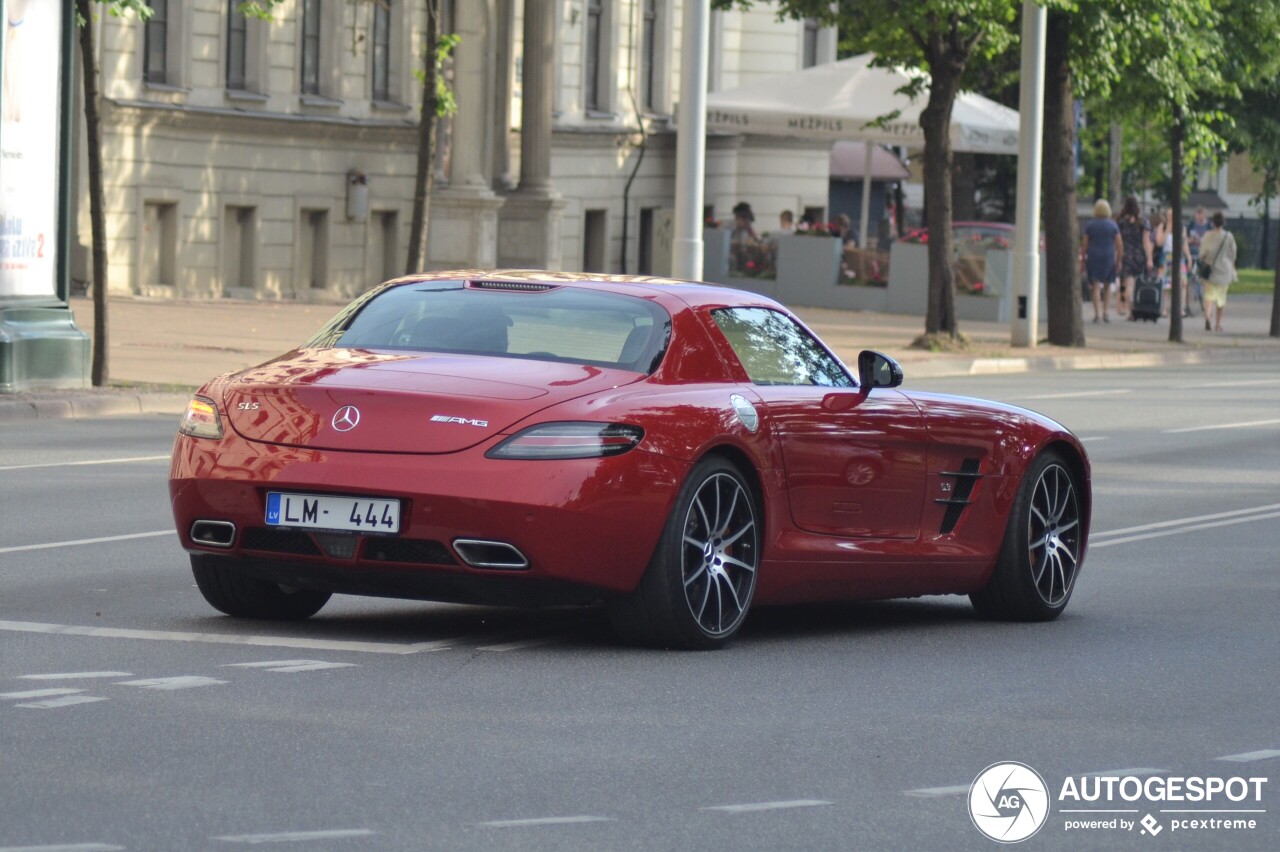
(162, 350)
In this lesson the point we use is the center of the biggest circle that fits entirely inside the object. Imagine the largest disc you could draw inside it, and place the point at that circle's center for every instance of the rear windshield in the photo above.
(562, 324)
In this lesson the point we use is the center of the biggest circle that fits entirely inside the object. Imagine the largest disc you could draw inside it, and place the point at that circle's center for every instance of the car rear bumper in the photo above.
(586, 527)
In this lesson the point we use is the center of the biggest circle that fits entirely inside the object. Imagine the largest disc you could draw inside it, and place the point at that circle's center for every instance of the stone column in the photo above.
(503, 91)
(529, 235)
(471, 123)
(464, 215)
(537, 96)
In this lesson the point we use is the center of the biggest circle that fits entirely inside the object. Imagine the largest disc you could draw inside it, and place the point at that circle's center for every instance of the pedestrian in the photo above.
(743, 242)
(1101, 250)
(1218, 253)
(1135, 235)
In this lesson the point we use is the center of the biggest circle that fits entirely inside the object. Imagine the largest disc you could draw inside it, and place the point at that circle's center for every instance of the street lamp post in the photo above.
(1025, 318)
(691, 141)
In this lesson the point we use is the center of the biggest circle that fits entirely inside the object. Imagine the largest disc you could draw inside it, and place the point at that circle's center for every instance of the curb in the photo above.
(73, 406)
(1095, 361)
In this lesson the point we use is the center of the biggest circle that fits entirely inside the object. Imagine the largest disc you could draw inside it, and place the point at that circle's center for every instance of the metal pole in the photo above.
(1025, 316)
(691, 141)
(866, 198)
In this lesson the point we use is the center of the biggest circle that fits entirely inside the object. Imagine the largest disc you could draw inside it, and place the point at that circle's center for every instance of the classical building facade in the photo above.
(275, 159)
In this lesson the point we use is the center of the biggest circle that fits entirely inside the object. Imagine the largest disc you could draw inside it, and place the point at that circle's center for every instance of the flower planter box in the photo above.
(809, 273)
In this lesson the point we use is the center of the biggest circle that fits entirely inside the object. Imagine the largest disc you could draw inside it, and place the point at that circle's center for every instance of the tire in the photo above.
(1043, 544)
(235, 593)
(697, 590)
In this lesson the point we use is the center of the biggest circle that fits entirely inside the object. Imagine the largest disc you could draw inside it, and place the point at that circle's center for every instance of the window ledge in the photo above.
(390, 106)
(309, 100)
(165, 88)
(601, 115)
(246, 95)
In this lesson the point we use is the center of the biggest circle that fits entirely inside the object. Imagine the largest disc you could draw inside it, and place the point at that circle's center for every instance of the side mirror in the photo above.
(877, 371)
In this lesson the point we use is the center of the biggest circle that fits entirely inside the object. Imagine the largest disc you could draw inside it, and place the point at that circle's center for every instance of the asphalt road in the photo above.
(132, 716)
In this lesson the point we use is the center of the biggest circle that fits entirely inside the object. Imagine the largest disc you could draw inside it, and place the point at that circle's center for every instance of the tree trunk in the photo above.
(1115, 152)
(935, 120)
(1061, 226)
(100, 374)
(419, 228)
(1175, 262)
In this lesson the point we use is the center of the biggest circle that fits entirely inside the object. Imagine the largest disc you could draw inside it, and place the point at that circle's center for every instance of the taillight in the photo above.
(201, 419)
(570, 440)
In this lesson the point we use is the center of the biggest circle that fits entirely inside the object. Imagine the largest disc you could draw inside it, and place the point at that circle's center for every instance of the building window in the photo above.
(384, 251)
(237, 39)
(311, 47)
(592, 89)
(649, 56)
(313, 250)
(809, 51)
(644, 251)
(382, 51)
(238, 243)
(155, 57)
(593, 241)
(159, 244)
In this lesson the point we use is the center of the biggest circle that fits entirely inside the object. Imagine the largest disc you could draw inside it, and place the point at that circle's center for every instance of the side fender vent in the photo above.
(965, 478)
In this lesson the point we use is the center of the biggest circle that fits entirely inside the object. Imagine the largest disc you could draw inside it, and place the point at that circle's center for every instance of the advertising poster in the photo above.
(29, 147)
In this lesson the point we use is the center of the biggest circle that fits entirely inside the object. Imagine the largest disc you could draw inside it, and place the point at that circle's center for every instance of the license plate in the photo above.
(327, 512)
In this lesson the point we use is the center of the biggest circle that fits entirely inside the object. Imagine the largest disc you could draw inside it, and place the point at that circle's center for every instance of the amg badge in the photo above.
(465, 421)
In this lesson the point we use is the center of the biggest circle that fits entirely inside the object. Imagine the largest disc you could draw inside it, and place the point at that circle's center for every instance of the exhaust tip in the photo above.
(490, 554)
(214, 533)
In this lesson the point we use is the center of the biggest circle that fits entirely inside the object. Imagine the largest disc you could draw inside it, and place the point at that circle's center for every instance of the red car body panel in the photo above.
(849, 482)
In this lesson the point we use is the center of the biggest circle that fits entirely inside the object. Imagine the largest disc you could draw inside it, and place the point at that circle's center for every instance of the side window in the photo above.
(774, 350)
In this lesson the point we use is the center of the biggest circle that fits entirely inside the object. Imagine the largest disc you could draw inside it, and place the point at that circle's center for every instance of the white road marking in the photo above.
(295, 836)
(74, 675)
(755, 807)
(934, 792)
(66, 701)
(170, 683)
(227, 638)
(525, 643)
(1140, 772)
(39, 693)
(517, 823)
(1181, 522)
(82, 463)
(1251, 756)
(1247, 425)
(81, 541)
(290, 665)
(1094, 438)
(1243, 383)
(68, 847)
(1186, 529)
(1075, 394)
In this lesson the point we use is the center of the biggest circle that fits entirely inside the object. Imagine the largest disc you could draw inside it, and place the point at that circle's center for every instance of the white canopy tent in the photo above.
(849, 100)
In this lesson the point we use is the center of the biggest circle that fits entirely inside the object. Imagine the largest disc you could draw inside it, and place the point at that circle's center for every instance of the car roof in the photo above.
(672, 293)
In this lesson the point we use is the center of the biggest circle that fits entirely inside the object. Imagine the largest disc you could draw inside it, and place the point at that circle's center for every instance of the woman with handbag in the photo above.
(1217, 268)
(1101, 249)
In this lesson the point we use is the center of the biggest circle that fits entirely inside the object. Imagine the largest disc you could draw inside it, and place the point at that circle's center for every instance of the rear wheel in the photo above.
(234, 592)
(698, 587)
(1043, 543)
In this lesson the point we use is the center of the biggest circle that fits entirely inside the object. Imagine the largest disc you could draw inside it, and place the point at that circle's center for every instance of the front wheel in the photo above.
(1043, 546)
(236, 593)
(698, 587)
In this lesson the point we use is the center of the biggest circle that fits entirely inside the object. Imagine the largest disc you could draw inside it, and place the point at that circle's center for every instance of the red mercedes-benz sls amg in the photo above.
(679, 451)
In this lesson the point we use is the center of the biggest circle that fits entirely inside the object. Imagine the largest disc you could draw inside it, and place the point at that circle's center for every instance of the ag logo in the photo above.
(1008, 802)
